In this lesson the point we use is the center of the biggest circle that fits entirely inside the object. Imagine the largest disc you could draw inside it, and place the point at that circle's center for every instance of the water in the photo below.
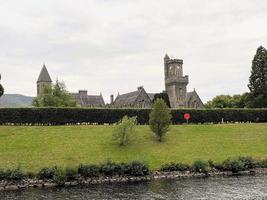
(241, 187)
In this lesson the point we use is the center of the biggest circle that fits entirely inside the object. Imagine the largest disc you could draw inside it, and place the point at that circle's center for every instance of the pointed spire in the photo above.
(166, 57)
(44, 75)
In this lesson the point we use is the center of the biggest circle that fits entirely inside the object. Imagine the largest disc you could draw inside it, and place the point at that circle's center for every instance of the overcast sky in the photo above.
(113, 46)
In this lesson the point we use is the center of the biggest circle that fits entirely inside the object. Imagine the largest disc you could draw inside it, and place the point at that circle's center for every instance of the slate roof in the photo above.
(44, 75)
(151, 96)
(89, 100)
(126, 99)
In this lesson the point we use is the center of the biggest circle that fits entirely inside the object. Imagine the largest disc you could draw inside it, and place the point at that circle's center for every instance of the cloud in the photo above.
(115, 45)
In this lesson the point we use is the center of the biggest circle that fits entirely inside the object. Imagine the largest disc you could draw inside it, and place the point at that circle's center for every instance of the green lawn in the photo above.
(36, 147)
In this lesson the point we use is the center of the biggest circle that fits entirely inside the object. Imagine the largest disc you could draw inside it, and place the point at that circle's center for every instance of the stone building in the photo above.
(176, 85)
(44, 80)
(135, 99)
(85, 100)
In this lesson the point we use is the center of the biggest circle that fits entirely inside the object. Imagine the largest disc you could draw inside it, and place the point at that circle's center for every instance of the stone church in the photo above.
(175, 86)
(82, 98)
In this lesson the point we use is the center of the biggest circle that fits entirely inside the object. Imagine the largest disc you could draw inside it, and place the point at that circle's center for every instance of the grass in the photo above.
(35, 147)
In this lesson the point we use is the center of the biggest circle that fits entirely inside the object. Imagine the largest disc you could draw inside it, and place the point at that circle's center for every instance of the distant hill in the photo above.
(15, 100)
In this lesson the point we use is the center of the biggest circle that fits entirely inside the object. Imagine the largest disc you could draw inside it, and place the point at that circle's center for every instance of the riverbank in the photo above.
(35, 183)
(35, 147)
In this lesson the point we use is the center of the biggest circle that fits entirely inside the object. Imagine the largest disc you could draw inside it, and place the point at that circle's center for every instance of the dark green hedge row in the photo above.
(61, 116)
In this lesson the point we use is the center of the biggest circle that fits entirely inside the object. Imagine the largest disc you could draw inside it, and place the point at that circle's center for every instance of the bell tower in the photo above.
(44, 80)
(175, 82)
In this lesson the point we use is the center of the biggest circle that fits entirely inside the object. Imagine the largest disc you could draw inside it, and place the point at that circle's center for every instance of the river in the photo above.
(235, 187)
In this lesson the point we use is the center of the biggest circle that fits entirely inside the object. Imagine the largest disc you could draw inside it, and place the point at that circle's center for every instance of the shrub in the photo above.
(110, 168)
(201, 166)
(261, 163)
(46, 173)
(88, 170)
(60, 176)
(2, 174)
(174, 167)
(160, 118)
(61, 116)
(124, 129)
(249, 162)
(71, 173)
(136, 168)
(15, 174)
(233, 165)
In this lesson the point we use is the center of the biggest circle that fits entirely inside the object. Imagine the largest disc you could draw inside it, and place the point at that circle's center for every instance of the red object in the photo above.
(187, 116)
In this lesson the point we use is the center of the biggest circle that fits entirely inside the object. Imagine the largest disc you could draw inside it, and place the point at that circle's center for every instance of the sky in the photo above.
(112, 46)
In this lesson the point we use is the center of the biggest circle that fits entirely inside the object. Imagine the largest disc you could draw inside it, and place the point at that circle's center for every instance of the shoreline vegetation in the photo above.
(135, 171)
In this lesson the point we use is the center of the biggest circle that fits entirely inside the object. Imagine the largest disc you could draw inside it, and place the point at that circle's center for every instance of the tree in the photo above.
(258, 80)
(160, 118)
(1, 88)
(124, 129)
(227, 101)
(57, 96)
(164, 96)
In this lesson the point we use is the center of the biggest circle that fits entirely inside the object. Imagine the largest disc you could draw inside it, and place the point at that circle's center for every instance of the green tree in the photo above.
(227, 101)
(124, 129)
(164, 96)
(57, 96)
(1, 88)
(257, 97)
(160, 118)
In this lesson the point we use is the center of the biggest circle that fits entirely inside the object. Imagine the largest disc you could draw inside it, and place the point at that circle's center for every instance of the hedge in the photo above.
(63, 116)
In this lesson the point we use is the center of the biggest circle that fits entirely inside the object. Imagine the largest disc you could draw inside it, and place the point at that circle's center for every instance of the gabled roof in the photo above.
(151, 96)
(44, 75)
(89, 100)
(126, 99)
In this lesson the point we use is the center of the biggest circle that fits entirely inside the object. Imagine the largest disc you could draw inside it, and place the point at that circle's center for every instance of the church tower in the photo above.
(43, 80)
(175, 82)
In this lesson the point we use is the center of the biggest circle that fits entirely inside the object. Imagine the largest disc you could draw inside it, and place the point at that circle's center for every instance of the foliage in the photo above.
(89, 170)
(1, 88)
(261, 163)
(15, 174)
(175, 167)
(60, 175)
(46, 173)
(233, 165)
(200, 166)
(137, 168)
(62, 116)
(111, 168)
(124, 129)
(249, 162)
(71, 173)
(227, 101)
(57, 96)
(164, 96)
(160, 118)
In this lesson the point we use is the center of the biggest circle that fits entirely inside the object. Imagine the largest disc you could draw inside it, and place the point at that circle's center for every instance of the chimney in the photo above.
(111, 99)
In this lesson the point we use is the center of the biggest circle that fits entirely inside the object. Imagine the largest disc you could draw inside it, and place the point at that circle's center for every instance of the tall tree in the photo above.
(258, 80)
(1, 88)
(57, 96)
(160, 118)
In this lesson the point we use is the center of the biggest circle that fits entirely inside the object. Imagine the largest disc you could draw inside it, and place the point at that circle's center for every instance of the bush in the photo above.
(46, 173)
(60, 176)
(110, 169)
(261, 163)
(233, 165)
(124, 129)
(71, 173)
(15, 174)
(89, 170)
(174, 167)
(249, 162)
(201, 166)
(61, 116)
(136, 168)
